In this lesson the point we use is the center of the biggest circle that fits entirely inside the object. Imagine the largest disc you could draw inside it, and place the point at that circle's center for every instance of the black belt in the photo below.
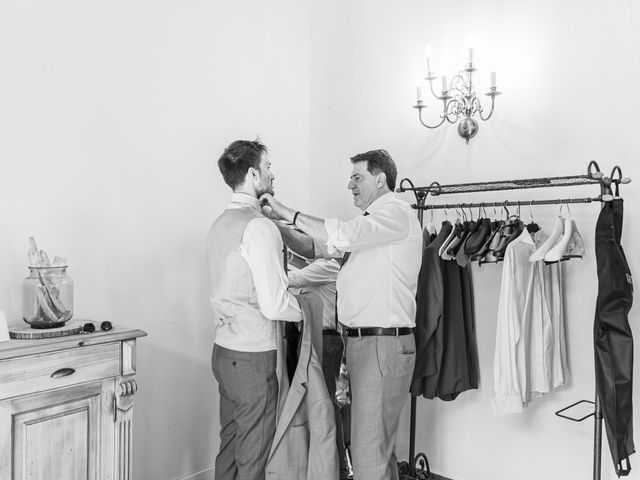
(330, 331)
(368, 331)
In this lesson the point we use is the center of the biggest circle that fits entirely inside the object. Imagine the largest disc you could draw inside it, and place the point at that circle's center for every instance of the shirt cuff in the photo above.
(331, 226)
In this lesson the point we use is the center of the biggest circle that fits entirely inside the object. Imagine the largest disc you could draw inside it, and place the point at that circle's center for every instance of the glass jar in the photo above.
(47, 297)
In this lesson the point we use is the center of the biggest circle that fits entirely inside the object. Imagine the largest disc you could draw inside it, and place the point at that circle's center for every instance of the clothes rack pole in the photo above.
(414, 469)
(508, 203)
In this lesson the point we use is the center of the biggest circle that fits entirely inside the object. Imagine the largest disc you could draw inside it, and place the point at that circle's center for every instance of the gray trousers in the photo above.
(332, 349)
(380, 369)
(248, 399)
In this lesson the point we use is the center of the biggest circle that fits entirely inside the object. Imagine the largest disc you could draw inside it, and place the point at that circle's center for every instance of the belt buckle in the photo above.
(359, 332)
(397, 332)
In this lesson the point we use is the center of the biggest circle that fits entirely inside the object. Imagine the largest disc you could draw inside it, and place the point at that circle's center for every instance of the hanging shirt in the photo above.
(530, 351)
(249, 285)
(320, 276)
(377, 285)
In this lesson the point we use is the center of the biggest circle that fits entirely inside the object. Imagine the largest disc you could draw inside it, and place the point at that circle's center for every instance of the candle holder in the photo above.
(459, 100)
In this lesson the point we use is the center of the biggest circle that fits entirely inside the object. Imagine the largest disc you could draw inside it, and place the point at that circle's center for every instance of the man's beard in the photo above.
(267, 189)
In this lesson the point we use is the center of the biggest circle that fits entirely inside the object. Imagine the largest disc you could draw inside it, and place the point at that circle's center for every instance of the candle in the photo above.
(444, 84)
(419, 91)
(428, 54)
(471, 55)
(493, 79)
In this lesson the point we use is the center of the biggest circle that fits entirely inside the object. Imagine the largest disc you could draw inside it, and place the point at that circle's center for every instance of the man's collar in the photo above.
(380, 202)
(245, 199)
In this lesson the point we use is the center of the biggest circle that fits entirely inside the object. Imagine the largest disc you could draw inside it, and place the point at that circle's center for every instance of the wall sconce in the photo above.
(459, 99)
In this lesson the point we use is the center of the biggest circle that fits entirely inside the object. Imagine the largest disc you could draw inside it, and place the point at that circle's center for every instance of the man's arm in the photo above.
(261, 247)
(320, 272)
(385, 226)
(312, 226)
(297, 241)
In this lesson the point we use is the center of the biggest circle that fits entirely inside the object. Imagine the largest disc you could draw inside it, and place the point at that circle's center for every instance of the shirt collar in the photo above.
(380, 202)
(525, 237)
(246, 200)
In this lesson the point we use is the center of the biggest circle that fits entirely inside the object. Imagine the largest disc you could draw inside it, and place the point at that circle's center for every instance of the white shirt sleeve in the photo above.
(261, 247)
(385, 226)
(320, 272)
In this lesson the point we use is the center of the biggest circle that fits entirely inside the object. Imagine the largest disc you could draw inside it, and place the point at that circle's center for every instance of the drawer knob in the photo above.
(63, 372)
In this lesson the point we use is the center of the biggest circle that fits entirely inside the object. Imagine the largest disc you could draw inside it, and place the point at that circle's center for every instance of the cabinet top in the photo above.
(18, 348)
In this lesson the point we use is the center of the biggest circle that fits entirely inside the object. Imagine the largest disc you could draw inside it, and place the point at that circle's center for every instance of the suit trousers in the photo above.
(380, 368)
(332, 350)
(248, 399)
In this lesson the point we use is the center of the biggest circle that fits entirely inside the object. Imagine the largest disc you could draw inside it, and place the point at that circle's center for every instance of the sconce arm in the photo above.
(429, 126)
(493, 100)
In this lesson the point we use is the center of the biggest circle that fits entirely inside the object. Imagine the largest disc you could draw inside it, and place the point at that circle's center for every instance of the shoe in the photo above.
(457, 243)
(512, 232)
(478, 236)
(494, 227)
(488, 256)
(508, 232)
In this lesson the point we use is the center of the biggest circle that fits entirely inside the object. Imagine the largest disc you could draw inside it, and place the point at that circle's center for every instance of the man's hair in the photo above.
(379, 161)
(237, 158)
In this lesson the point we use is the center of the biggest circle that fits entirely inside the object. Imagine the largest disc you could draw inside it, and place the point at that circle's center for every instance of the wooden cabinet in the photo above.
(66, 406)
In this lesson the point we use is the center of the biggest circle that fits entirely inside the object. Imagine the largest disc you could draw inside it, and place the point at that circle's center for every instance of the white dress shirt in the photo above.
(377, 285)
(530, 351)
(261, 248)
(320, 276)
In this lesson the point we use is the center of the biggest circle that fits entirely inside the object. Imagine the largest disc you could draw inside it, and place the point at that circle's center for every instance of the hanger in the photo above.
(558, 229)
(575, 248)
(533, 227)
(555, 253)
(469, 227)
(431, 228)
(454, 231)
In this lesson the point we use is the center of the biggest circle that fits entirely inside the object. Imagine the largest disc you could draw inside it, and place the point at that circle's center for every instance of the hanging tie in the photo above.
(345, 257)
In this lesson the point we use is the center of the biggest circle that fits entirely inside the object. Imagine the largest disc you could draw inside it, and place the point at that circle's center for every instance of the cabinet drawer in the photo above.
(36, 373)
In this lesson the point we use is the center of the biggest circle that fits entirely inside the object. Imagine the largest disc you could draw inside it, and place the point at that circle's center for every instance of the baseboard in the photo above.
(206, 474)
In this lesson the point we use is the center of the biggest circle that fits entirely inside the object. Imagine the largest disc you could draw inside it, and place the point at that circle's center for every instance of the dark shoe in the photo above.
(510, 231)
(492, 237)
(478, 236)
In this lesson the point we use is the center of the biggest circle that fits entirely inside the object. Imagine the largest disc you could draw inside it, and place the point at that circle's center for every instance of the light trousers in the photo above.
(380, 369)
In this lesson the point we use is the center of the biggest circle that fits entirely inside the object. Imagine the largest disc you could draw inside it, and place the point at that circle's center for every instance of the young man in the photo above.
(248, 293)
(376, 290)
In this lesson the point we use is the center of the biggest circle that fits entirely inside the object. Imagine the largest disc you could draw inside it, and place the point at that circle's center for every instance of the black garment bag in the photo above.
(613, 341)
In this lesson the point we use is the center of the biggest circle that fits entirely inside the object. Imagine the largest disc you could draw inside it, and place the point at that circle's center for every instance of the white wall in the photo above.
(113, 116)
(566, 70)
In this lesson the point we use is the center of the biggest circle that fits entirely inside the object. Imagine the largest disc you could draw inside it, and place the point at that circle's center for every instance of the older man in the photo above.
(376, 290)
(248, 292)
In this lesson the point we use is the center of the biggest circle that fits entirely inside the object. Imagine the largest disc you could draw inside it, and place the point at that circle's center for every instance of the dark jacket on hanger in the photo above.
(613, 339)
(446, 352)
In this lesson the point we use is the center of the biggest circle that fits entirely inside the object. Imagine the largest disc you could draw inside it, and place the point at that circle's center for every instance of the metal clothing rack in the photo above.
(417, 468)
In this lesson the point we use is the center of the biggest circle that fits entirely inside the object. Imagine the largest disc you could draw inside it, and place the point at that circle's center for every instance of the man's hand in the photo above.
(278, 210)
